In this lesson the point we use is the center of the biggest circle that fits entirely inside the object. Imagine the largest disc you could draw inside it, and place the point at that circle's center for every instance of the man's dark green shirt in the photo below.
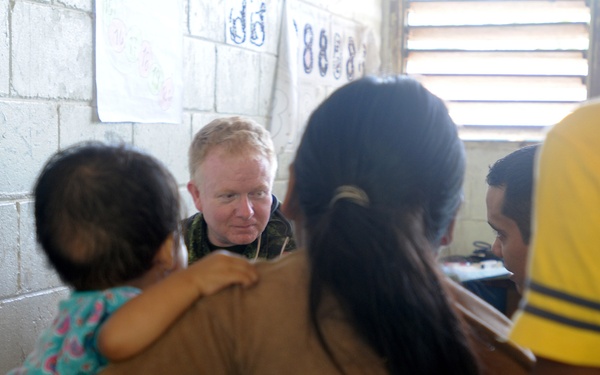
(275, 239)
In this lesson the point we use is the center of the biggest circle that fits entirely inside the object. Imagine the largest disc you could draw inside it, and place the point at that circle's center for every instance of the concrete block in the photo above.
(36, 272)
(280, 189)
(187, 203)
(199, 69)
(167, 142)
(309, 98)
(370, 14)
(9, 250)
(262, 120)
(52, 52)
(274, 18)
(207, 19)
(28, 136)
(23, 318)
(201, 119)
(4, 48)
(283, 165)
(86, 5)
(268, 67)
(238, 73)
(480, 156)
(80, 122)
(468, 231)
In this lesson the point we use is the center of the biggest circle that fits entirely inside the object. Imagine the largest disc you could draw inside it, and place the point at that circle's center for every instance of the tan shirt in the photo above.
(265, 330)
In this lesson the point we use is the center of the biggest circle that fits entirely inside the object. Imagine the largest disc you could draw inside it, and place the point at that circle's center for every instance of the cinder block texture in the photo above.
(187, 203)
(268, 67)
(199, 74)
(23, 319)
(80, 123)
(207, 19)
(9, 247)
(4, 45)
(51, 52)
(86, 5)
(468, 232)
(280, 189)
(283, 165)
(238, 75)
(199, 120)
(480, 156)
(28, 136)
(171, 149)
(36, 272)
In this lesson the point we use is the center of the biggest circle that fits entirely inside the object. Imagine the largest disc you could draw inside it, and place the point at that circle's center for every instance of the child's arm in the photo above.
(139, 322)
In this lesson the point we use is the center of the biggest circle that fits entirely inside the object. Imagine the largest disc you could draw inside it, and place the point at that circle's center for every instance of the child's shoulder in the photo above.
(99, 301)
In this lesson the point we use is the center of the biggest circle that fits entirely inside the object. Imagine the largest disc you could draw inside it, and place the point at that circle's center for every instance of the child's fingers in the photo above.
(244, 271)
(221, 268)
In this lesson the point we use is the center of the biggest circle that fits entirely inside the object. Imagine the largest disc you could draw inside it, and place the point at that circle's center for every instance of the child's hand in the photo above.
(220, 269)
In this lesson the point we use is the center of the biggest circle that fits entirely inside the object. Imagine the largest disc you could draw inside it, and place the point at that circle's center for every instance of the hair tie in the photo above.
(352, 193)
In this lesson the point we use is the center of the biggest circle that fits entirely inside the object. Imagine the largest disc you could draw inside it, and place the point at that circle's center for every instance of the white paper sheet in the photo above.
(318, 53)
(139, 63)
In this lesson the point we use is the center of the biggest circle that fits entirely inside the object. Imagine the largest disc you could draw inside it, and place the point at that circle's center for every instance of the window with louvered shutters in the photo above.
(506, 69)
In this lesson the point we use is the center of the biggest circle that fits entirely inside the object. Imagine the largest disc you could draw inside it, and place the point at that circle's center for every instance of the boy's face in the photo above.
(509, 244)
(234, 196)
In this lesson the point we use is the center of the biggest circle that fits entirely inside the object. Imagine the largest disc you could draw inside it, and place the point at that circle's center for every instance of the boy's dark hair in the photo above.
(514, 173)
(102, 212)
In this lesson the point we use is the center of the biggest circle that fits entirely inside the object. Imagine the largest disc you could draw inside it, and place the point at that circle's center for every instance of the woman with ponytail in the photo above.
(374, 190)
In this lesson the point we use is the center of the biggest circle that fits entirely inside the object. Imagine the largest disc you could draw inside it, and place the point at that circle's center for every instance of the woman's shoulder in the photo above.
(284, 279)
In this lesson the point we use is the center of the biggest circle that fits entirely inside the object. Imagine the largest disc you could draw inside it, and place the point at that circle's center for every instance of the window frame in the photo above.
(394, 53)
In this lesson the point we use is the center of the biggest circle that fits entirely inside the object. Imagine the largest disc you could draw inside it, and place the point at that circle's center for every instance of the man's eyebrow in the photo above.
(493, 227)
(499, 231)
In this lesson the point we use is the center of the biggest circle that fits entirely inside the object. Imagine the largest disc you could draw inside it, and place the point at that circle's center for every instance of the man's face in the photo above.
(509, 243)
(234, 196)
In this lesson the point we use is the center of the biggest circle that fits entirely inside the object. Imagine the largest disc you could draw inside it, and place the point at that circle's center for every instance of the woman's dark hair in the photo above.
(102, 212)
(394, 140)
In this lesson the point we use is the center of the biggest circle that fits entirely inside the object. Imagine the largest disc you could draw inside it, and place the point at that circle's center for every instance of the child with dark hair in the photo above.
(107, 218)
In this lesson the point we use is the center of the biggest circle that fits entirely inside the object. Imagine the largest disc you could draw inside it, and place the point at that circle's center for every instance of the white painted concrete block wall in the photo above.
(47, 103)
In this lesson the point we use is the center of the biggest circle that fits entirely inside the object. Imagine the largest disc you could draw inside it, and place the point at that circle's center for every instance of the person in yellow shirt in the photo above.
(559, 318)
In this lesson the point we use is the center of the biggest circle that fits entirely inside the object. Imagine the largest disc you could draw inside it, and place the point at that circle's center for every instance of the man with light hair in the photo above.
(232, 166)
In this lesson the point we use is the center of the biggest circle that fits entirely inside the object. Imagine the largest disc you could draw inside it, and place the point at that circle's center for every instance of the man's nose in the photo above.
(244, 208)
(497, 248)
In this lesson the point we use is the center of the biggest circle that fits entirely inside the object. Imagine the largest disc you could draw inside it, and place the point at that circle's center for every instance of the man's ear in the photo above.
(290, 207)
(449, 235)
(195, 193)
